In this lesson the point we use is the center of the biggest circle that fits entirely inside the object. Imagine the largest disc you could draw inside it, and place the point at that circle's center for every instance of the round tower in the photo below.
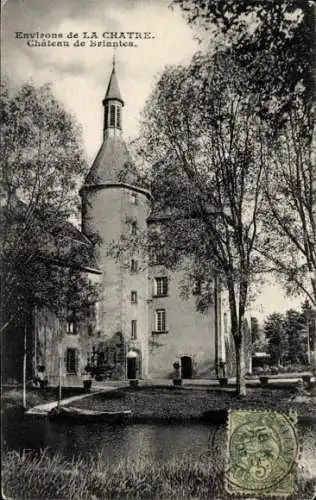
(114, 204)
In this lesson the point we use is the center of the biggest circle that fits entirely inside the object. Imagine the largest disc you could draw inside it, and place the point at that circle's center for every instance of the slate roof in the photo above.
(62, 243)
(112, 165)
(67, 244)
(113, 91)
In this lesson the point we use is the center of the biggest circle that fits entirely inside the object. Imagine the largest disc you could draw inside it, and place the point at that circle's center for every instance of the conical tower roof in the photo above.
(112, 164)
(113, 90)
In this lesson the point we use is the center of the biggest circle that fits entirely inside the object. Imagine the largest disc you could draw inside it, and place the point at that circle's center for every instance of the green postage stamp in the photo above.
(262, 450)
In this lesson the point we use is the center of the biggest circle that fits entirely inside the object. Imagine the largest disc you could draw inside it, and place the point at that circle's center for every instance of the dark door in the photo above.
(186, 367)
(131, 368)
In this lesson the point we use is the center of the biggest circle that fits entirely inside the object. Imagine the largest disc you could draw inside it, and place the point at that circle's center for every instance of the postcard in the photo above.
(158, 236)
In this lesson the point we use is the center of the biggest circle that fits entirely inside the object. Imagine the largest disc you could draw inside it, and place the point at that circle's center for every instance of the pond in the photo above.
(160, 442)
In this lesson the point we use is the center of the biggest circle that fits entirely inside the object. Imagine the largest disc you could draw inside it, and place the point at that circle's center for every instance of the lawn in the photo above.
(12, 397)
(168, 403)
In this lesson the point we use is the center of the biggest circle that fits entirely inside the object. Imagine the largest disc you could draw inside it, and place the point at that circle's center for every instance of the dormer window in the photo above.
(134, 228)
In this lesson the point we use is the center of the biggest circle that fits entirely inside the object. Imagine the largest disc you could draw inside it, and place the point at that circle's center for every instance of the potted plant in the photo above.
(41, 376)
(86, 378)
(264, 378)
(222, 378)
(307, 380)
(177, 380)
(223, 381)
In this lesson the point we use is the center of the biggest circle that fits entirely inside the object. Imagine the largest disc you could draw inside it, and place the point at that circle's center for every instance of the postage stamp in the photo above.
(262, 450)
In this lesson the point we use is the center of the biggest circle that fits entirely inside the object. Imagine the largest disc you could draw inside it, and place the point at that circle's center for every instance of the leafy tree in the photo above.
(275, 333)
(255, 329)
(296, 337)
(42, 254)
(275, 37)
(275, 41)
(290, 191)
(309, 321)
(200, 133)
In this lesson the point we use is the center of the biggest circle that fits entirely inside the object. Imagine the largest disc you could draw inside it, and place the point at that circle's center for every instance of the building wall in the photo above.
(51, 341)
(189, 332)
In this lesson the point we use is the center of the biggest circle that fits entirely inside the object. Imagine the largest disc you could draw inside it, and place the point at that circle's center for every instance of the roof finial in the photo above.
(113, 61)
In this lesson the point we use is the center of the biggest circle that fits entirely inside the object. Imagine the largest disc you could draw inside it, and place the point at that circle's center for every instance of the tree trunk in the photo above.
(24, 369)
(240, 369)
(59, 375)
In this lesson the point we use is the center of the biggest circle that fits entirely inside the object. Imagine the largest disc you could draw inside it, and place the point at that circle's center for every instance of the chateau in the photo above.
(140, 314)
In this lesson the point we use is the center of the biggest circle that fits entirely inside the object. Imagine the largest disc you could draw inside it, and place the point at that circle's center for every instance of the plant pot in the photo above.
(134, 382)
(177, 381)
(264, 379)
(307, 380)
(223, 381)
(87, 385)
(43, 383)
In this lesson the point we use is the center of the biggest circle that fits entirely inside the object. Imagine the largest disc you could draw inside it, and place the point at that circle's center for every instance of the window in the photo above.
(134, 199)
(161, 286)
(134, 228)
(112, 115)
(197, 287)
(133, 297)
(72, 361)
(118, 117)
(160, 320)
(72, 327)
(157, 255)
(106, 116)
(134, 266)
(133, 329)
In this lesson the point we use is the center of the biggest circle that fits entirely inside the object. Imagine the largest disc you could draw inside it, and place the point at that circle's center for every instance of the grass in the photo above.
(12, 397)
(52, 477)
(168, 403)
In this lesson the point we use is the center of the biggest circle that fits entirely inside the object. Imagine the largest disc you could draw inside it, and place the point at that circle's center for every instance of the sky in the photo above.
(79, 75)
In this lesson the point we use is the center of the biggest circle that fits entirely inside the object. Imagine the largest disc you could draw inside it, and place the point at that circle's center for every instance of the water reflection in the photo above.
(160, 442)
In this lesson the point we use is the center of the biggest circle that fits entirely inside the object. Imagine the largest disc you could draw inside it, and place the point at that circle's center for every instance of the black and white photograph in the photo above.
(158, 249)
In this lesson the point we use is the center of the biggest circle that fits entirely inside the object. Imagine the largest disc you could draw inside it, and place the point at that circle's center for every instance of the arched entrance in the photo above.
(186, 367)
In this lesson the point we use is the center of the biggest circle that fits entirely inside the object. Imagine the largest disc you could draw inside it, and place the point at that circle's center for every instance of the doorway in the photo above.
(186, 367)
(133, 360)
